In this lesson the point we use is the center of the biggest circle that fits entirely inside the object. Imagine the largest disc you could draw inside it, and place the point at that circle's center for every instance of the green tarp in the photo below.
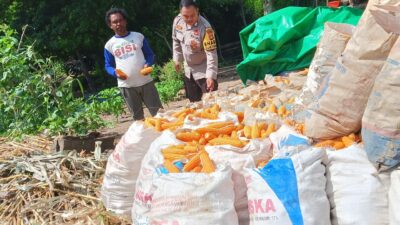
(286, 39)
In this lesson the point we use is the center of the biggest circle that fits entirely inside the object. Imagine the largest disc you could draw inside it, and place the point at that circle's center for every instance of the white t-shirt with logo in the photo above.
(128, 55)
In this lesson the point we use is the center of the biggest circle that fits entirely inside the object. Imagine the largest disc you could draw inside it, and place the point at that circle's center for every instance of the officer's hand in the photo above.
(177, 66)
(121, 75)
(210, 84)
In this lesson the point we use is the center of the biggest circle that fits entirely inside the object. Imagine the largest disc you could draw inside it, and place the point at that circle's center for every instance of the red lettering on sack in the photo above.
(251, 207)
(261, 206)
(269, 206)
(143, 197)
(257, 206)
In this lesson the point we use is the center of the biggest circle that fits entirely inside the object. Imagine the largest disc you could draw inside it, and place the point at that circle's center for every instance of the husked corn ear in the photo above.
(247, 132)
(347, 141)
(191, 148)
(145, 71)
(170, 167)
(217, 131)
(208, 136)
(338, 145)
(282, 111)
(264, 134)
(234, 134)
(220, 124)
(262, 126)
(327, 143)
(170, 125)
(227, 141)
(215, 108)
(271, 129)
(208, 165)
(208, 115)
(197, 169)
(255, 133)
(240, 116)
(172, 157)
(178, 151)
(272, 108)
(158, 125)
(184, 111)
(193, 162)
(239, 127)
(202, 141)
(147, 123)
(188, 136)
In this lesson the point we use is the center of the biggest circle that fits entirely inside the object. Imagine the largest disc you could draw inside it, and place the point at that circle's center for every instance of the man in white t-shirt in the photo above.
(125, 54)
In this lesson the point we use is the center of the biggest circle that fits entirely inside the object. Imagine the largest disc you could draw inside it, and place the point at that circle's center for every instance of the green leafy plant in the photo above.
(36, 94)
(170, 81)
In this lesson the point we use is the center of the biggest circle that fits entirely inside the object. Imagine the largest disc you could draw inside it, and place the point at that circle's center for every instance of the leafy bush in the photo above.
(170, 81)
(36, 94)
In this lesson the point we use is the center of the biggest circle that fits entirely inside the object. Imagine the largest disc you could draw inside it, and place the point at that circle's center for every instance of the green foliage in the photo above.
(170, 81)
(254, 8)
(36, 94)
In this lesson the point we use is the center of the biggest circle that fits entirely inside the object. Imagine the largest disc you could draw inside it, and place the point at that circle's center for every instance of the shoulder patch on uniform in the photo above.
(178, 27)
(209, 42)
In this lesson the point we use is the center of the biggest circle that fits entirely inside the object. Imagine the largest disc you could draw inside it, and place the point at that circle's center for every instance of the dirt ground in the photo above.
(225, 81)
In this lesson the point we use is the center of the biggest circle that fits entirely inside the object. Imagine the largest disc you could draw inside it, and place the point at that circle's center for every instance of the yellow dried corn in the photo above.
(327, 143)
(158, 125)
(352, 137)
(147, 123)
(239, 127)
(172, 157)
(197, 169)
(247, 132)
(338, 145)
(208, 115)
(219, 124)
(209, 136)
(208, 165)
(262, 126)
(193, 162)
(178, 151)
(263, 134)
(272, 108)
(240, 116)
(191, 148)
(170, 125)
(188, 136)
(271, 129)
(215, 108)
(347, 141)
(227, 141)
(202, 141)
(234, 134)
(255, 132)
(282, 111)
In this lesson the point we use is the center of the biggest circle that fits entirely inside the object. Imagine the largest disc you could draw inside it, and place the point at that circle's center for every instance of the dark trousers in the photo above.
(194, 89)
(136, 96)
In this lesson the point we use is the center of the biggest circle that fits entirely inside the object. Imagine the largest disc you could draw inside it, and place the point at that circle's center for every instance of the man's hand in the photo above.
(146, 70)
(121, 75)
(210, 84)
(177, 66)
